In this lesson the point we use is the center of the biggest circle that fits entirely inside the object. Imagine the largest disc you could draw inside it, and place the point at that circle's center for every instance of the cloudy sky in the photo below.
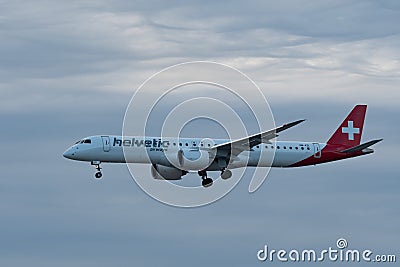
(68, 70)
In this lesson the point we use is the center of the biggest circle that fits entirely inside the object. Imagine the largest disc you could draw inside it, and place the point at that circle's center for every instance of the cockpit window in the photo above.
(86, 141)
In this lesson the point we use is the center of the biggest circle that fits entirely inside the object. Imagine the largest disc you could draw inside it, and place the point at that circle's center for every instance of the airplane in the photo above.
(172, 158)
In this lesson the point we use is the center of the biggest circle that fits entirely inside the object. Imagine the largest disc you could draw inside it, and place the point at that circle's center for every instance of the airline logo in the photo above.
(141, 142)
(350, 130)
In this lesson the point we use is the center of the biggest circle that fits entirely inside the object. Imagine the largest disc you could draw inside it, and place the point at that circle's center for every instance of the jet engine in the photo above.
(190, 160)
(166, 173)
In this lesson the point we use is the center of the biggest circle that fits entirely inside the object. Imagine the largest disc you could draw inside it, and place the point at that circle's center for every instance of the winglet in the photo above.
(288, 125)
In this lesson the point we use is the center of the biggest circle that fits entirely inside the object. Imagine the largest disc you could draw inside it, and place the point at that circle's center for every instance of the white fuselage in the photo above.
(110, 148)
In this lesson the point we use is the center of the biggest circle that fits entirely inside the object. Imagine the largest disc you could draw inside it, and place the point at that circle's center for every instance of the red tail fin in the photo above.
(350, 131)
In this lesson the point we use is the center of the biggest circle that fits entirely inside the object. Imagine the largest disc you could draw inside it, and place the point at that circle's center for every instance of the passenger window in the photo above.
(302, 148)
(284, 147)
(180, 144)
(186, 144)
(278, 147)
(290, 147)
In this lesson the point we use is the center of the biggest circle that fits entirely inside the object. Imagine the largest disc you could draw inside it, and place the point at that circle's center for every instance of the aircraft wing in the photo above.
(238, 146)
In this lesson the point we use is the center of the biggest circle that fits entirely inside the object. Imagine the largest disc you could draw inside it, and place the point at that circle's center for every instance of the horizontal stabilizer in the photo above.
(361, 147)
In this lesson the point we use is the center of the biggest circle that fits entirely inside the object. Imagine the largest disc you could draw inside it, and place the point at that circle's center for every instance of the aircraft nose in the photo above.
(69, 153)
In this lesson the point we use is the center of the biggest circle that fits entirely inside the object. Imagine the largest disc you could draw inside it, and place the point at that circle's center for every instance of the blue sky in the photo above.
(68, 70)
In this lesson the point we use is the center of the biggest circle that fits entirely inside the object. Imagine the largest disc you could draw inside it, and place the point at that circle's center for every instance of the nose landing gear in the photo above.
(96, 164)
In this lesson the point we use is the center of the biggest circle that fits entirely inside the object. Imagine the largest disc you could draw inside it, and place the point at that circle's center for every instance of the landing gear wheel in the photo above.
(226, 174)
(207, 182)
(96, 164)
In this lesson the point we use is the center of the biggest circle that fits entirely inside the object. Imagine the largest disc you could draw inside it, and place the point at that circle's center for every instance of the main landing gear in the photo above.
(96, 164)
(206, 181)
(226, 174)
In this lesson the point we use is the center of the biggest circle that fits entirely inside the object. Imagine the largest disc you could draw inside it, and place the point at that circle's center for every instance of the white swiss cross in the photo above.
(350, 130)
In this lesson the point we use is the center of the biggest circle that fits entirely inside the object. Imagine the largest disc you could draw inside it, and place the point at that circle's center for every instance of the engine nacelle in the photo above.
(190, 159)
(166, 173)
